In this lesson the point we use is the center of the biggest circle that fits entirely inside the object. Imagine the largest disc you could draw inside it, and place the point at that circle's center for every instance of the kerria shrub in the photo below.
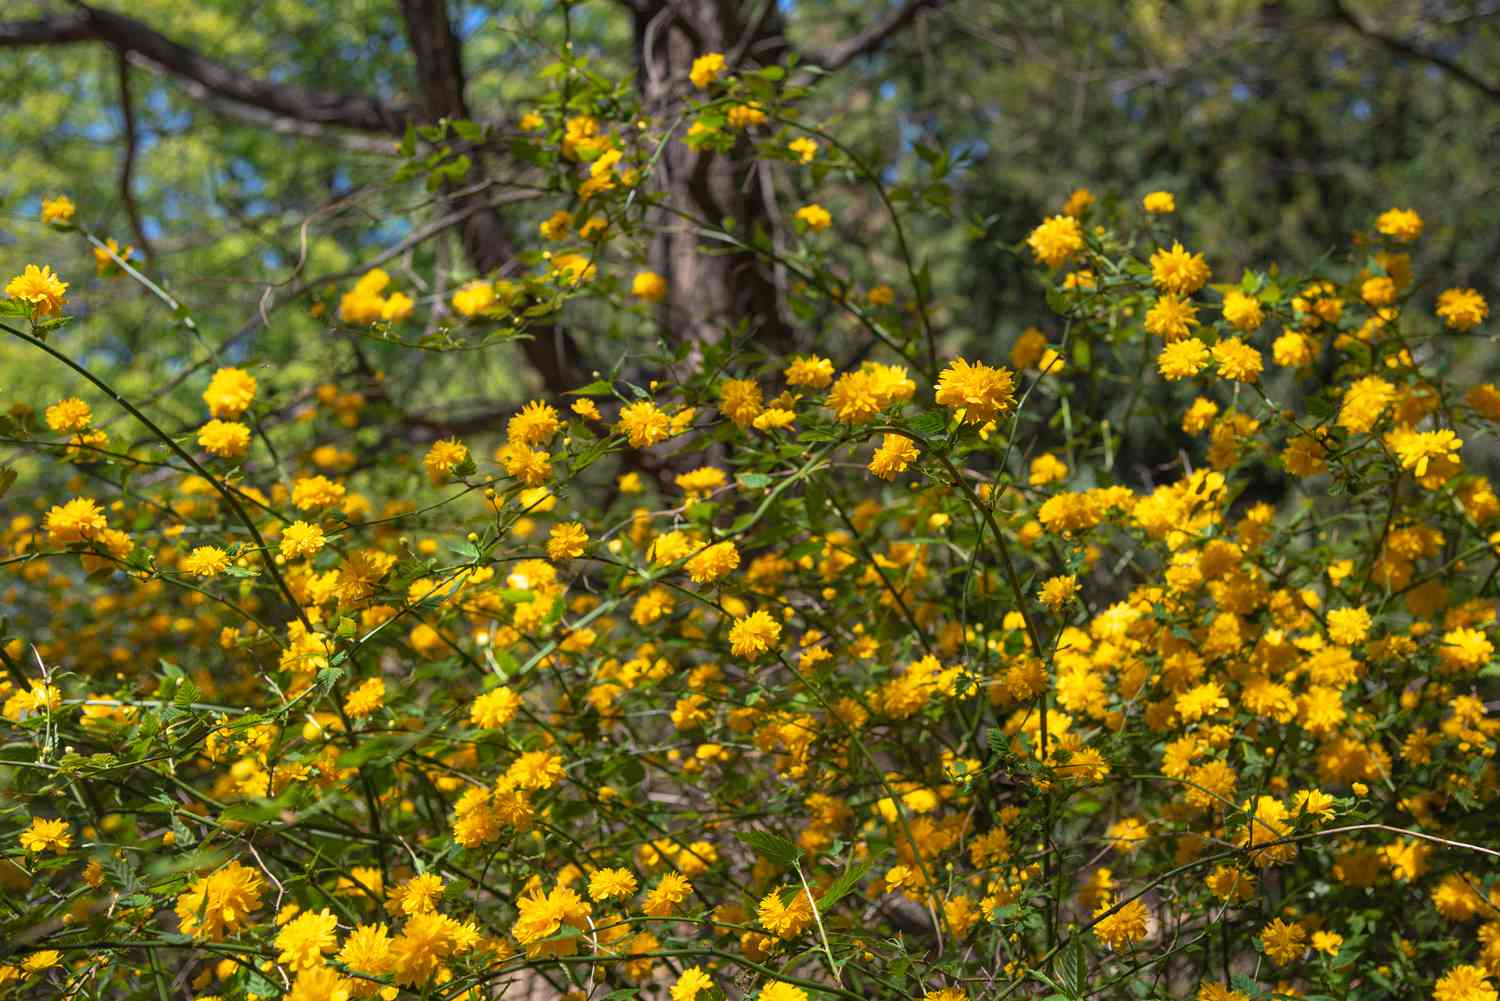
(1150, 660)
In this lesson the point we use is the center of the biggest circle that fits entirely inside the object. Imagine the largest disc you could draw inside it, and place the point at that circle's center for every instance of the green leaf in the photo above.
(596, 388)
(770, 847)
(468, 131)
(186, 694)
(929, 424)
(841, 886)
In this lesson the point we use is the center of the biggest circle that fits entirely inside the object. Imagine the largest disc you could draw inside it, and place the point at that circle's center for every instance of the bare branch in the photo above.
(141, 42)
(872, 38)
(127, 164)
(1412, 50)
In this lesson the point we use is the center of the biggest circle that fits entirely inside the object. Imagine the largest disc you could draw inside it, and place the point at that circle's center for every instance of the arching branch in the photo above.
(144, 43)
(1412, 50)
(872, 38)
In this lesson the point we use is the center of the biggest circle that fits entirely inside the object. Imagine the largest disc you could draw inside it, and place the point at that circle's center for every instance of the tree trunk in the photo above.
(713, 292)
(485, 236)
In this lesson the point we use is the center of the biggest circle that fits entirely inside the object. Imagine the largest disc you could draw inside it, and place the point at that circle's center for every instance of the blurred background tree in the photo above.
(248, 153)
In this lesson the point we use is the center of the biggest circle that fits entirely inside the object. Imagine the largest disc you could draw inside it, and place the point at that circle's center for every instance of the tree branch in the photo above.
(486, 239)
(129, 36)
(871, 39)
(1341, 12)
(127, 164)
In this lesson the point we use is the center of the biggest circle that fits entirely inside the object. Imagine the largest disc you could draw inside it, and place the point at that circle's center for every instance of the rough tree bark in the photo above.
(711, 291)
(484, 233)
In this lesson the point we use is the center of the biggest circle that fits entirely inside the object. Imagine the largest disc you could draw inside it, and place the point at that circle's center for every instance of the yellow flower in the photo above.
(59, 209)
(366, 951)
(1237, 360)
(1058, 591)
(1401, 225)
(1123, 927)
(806, 149)
(474, 298)
(644, 424)
(1171, 317)
(1466, 649)
(710, 564)
(813, 372)
(365, 699)
(44, 834)
(304, 939)
(664, 897)
(1178, 271)
(301, 538)
(78, 520)
(46, 292)
(1462, 309)
(1127, 835)
(785, 913)
(557, 226)
(1464, 983)
(1348, 626)
(1418, 449)
(1283, 942)
(1202, 701)
(740, 400)
(206, 561)
(533, 424)
(69, 415)
(494, 708)
(1159, 203)
(536, 770)
(976, 391)
(895, 454)
(1243, 311)
(744, 116)
(1378, 291)
(1182, 359)
(398, 306)
(1056, 240)
(754, 634)
(779, 991)
(445, 456)
(567, 541)
(1364, 402)
(606, 884)
(105, 258)
(773, 419)
(230, 392)
(692, 983)
(573, 269)
(1046, 468)
(814, 217)
(649, 285)
(706, 69)
(220, 903)
(1292, 350)
(313, 492)
(226, 439)
(1078, 202)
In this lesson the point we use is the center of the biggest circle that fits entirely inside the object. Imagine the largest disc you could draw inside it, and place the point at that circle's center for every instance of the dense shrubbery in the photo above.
(1149, 661)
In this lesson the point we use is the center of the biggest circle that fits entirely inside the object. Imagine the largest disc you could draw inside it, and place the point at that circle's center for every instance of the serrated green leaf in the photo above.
(841, 886)
(771, 847)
